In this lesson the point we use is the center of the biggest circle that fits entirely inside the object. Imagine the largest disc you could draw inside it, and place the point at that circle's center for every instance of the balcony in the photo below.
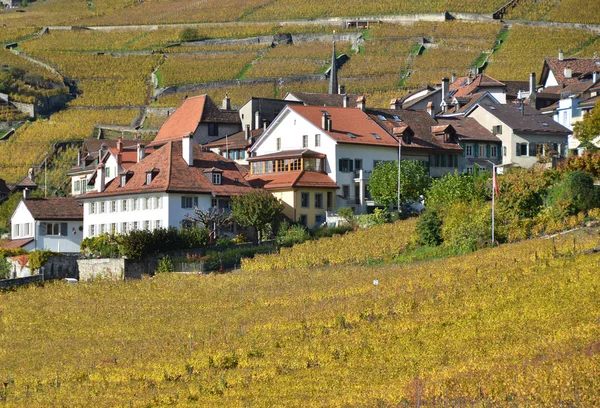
(361, 175)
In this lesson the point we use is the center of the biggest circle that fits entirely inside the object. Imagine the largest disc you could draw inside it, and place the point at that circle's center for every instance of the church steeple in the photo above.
(333, 80)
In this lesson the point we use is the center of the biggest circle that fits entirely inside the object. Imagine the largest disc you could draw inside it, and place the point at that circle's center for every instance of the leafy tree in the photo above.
(213, 219)
(576, 193)
(188, 34)
(454, 187)
(383, 183)
(257, 209)
(589, 129)
(4, 268)
(10, 205)
(429, 228)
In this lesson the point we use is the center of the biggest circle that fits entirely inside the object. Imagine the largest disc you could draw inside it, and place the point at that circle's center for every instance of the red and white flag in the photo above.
(495, 182)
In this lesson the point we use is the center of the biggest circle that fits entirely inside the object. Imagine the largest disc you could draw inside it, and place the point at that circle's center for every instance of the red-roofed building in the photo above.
(200, 117)
(161, 189)
(47, 223)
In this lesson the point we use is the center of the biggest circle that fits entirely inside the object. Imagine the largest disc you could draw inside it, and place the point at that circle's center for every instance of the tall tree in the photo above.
(588, 130)
(256, 209)
(383, 183)
(212, 219)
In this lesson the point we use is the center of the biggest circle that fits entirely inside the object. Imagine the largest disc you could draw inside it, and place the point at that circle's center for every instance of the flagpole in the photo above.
(494, 181)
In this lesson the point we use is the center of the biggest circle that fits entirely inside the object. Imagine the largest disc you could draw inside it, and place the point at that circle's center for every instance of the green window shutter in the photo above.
(475, 150)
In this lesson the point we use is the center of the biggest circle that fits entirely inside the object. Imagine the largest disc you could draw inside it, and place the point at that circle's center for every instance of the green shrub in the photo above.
(188, 34)
(103, 245)
(5, 268)
(164, 265)
(454, 187)
(325, 232)
(347, 213)
(575, 194)
(38, 258)
(429, 229)
(194, 237)
(467, 226)
(224, 242)
(295, 234)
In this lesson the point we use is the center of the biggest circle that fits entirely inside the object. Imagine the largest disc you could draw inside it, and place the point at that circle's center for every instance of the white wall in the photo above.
(177, 213)
(551, 80)
(22, 223)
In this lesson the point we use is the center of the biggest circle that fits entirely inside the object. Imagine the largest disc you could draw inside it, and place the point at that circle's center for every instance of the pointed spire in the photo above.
(333, 80)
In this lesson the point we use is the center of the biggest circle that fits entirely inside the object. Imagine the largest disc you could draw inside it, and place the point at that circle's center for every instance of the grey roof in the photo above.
(317, 99)
(527, 120)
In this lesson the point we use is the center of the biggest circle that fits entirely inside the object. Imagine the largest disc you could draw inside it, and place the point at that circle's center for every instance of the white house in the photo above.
(47, 223)
(160, 190)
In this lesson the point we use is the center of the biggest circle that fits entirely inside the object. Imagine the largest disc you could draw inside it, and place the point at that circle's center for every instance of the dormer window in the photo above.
(148, 178)
(123, 180)
(216, 179)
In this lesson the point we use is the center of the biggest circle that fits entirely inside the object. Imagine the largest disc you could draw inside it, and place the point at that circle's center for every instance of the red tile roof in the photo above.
(174, 175)
(292, 179)
(61, 208)
(578, 67)
(17, 243)
(188, 116)
(469, 129)
(237, 140)
(462, 87)
(349, 125)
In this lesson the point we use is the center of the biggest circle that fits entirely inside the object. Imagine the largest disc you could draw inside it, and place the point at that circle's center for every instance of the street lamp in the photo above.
(494, 189)
(398, 133)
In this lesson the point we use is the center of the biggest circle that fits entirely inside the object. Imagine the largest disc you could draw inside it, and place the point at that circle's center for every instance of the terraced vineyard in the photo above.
(515, 325)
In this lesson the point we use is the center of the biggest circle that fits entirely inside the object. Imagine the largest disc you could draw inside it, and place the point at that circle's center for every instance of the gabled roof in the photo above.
(461, 86)
(349, 125)
(527, 120)
(292, 179)
(578, 67)
(318, 99)
(468, 129)
(187, 117)
(26, 182)
(17, 243)
(237, 140)
(172, 174)
(50, 209)
(419, 121)
(590, 102)
(412, 102)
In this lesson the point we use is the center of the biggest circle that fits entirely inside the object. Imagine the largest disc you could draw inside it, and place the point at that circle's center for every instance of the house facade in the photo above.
(161, 190)
(54, 224)
(526, 134)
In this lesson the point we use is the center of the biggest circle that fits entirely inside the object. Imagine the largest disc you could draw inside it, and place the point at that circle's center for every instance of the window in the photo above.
(504, 151)
(148, 178)
(123, 180)
(303, 220)
(319, 218)
(92, 208)
(497, 130)
(213, 129)
(135, 226)
(77, 186)
(329, 200)
(102, 207)
(278, 143)
(135, 204)
(102, 228)
(148, 203)
(346, 191)
(346, 165)
(187, 202)
(521, 149)
(123, 205)
(107, 173)
(53, 229)
(147, 225)
(83, 186)
(318, 200)
(216, 178)
(305, 141)
(469, 150)
(158, 203)
(317, 140)
(482, 150)
(92, 230)
(358, 164)
(493, 151)
(157, 224)
(376, 136)
(304, 200)
(123, 228)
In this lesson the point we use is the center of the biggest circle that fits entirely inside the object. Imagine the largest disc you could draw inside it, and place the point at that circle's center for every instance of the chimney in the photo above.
(100, 178)
(346, 101)
(227, 103)
(532, 83)
(31, 173)
(561, 56)
(120, 144)
(26, 194)
(568, 73)
(445, 88)
(101, 152)
(453, 77)
(470, 78)
(396, 103)
(341, 89)
(187, 149)
(247, 132)
(361, 102)
(325, 121)
(264, 125)
(257, 120)
(79, 157)
(141, 152)
(430, 109)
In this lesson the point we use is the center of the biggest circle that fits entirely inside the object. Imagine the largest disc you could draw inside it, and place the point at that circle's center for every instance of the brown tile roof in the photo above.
(293, 179)
(469, 129)
(590, 103)
(317, 99)
(461, 86)
(188, 116)
(419, 121)
(17, 243)
(578, 67)
(62, 208)
(174, 175)
(513, 88)
(288, 154)
(349, 125)
(529, 120)
(26, 182)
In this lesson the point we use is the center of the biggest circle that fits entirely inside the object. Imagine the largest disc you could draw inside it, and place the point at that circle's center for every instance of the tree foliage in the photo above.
(588, 129)
(454, 187)
(256, 209)
(188, 34)
(212, 219)
(383, 183)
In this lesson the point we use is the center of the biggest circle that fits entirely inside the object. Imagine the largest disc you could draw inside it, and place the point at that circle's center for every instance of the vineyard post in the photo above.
(399, 158)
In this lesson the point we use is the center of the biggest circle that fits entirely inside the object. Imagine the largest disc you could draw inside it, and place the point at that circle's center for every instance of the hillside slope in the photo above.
(511, 326)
